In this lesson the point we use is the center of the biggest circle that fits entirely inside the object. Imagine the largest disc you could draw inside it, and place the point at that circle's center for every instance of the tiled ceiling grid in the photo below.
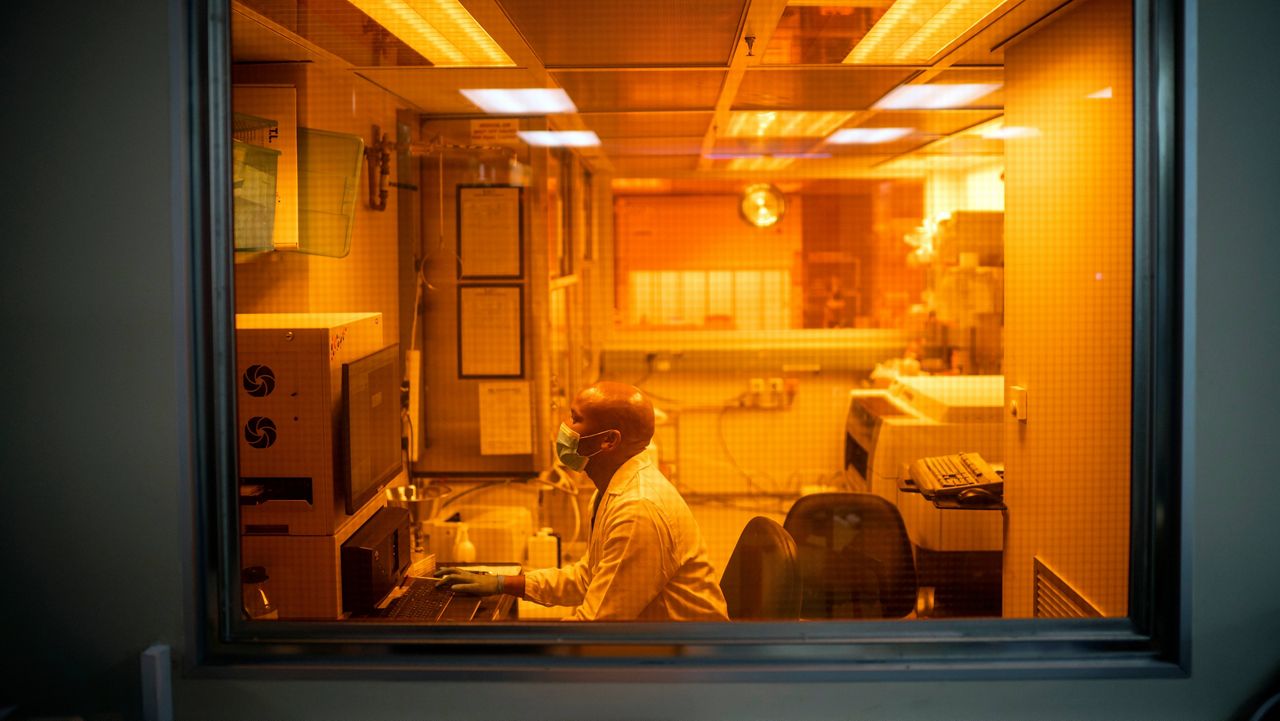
(649, 77)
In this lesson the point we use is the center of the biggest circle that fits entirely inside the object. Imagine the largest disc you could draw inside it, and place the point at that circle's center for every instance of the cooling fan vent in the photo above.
(258, 380)
(260, 432)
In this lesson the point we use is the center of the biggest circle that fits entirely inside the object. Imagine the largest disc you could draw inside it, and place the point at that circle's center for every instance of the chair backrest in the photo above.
(855, 556)
(761, 580)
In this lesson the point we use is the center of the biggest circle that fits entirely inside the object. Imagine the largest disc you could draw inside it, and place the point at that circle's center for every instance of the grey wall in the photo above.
(91, 495)
(89, 456)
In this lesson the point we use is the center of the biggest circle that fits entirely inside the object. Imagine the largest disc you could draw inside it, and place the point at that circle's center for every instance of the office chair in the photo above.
(855, 556)
(762, 580)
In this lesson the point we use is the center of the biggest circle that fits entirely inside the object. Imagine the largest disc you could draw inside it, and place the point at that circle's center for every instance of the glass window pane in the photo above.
(858, 348)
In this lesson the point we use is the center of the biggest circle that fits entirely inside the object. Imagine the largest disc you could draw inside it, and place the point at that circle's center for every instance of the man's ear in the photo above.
(612, 439)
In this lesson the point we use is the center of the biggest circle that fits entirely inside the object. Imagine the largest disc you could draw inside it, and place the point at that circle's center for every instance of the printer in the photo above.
(920, 416)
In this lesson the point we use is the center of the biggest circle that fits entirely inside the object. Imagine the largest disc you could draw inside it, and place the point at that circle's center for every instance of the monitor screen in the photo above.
(370, 424)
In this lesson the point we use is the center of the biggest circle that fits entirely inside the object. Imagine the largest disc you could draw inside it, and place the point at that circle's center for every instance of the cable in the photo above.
(405, 463)
(564, 485)
(640, 381)
(724, 448)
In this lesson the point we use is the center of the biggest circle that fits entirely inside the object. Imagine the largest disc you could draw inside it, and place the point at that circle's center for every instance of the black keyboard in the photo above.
(949, 475)
(424, 602)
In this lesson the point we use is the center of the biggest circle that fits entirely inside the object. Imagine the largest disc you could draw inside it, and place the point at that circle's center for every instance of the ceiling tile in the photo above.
(987, 47)
(645, 166)
(770, 146)
(591, 33)
(647, 125)
(820, 88)
(819, 35)
(435, 90)
(642, 90)
(334, 26)
(928, 122)
(691, 145)
(907, 144)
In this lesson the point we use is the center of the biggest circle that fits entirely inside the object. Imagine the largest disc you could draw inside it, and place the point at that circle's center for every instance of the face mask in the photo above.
(567, 448)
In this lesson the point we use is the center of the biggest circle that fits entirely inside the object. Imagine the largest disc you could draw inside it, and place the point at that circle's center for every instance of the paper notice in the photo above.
(506, 423)
(489, 232)
(489, 330)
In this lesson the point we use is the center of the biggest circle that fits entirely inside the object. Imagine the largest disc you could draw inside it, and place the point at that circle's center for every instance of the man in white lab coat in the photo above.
(646, 559)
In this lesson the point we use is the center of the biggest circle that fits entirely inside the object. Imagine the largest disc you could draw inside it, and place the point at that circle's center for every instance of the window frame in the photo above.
(1151, 642)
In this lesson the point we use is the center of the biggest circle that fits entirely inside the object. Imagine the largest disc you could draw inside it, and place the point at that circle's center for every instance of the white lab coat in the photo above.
(645, 559)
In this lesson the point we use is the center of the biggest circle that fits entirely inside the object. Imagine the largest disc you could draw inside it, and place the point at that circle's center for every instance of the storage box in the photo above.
(328, 188)
(253, 174)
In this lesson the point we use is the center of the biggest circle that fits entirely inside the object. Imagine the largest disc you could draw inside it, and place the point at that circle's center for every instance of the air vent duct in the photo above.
(1055, 598)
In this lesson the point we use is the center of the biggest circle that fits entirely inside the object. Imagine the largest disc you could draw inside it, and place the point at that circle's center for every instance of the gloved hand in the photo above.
(472, 582)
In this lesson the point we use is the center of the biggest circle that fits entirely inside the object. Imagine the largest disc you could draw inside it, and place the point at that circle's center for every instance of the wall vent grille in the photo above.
(1055, 598)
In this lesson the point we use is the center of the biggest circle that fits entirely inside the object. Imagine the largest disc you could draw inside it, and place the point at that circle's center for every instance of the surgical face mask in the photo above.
(567, 448)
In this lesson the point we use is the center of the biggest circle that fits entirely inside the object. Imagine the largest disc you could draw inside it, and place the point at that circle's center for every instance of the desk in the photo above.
(492, 608)
(963, 558)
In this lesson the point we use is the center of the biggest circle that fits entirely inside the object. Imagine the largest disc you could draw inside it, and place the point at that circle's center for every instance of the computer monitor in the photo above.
(370, 425)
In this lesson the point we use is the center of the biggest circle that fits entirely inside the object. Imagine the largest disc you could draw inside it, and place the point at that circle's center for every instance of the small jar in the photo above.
(253, 594)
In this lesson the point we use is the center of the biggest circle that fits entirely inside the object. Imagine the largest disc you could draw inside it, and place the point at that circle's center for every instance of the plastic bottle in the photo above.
(253, 594)
(464, 551)
(544, 549)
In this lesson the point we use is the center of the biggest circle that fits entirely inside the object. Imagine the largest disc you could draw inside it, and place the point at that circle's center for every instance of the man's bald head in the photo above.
(621, 406)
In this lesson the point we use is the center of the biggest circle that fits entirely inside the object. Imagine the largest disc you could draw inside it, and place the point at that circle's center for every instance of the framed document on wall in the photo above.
(490, 331)
(490, 232)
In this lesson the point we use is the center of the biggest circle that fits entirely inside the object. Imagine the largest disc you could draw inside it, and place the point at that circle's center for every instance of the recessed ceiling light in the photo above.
(914, 31)
(441, 31)
(867, 136)
(933, 96)
(559, 138)
(521, 101)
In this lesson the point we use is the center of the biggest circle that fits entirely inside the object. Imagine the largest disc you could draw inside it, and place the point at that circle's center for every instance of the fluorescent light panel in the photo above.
(912, 32)
(761, 162)
(867, 136)
(522, 101)
(442, 31)
(934, 96)
(559, 138)
(784, 123)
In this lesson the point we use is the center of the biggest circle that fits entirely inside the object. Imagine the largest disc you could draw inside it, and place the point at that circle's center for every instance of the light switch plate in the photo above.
(1018, 403)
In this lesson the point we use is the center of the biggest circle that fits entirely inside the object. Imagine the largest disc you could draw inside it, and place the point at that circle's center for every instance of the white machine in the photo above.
(921, 416)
